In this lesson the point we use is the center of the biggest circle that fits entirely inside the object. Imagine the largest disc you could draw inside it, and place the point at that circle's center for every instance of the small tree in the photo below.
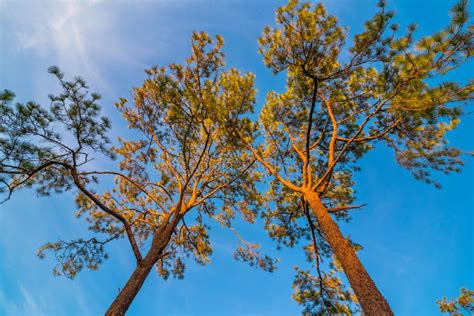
(341, 100)
(181, 162)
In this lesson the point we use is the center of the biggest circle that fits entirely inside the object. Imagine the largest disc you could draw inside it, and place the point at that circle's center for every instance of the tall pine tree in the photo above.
(342, 99)
(180, 171)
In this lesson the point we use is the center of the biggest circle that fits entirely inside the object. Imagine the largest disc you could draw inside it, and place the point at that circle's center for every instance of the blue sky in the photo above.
(418, 240)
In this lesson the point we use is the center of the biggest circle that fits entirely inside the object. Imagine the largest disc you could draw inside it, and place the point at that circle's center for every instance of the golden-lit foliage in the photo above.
(341, 100)
(462, 305)
(196, 155)
(184, 159)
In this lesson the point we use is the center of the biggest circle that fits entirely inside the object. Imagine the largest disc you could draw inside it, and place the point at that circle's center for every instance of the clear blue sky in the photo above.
(418, 241)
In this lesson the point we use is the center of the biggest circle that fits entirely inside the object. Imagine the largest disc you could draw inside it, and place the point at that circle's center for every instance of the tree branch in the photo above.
(307, 170)
(345, 208)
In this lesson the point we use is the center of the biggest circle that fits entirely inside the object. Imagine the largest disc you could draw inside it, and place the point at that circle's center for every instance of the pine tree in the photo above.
(343, 98)
(180, 170)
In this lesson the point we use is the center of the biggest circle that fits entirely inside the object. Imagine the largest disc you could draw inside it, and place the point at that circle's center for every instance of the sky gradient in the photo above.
(418, 241)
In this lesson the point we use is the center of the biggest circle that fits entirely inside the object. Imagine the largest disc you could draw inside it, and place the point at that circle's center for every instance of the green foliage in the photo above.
(342, 100)
(32, 137)
(183, 160)
(74, 255)
(325, 296)
(463, 305)
(183, 112)
(42, 147)
(306, 31)
(195, 146)
(248, 253)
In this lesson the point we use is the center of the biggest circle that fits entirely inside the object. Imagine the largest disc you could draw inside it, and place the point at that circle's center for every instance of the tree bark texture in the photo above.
(370, 298)
(126, 296)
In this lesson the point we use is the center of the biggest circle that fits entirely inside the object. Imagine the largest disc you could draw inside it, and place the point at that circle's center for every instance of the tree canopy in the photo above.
(181, 161)
(342, 99)
(198, 154)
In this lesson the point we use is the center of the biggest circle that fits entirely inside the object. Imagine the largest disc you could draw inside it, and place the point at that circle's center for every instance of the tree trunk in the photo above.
(126, 296)
(370, 298)
(123, 300)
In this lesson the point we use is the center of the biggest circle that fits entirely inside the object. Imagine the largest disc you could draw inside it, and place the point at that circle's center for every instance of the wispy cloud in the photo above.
(29, 305)
(26, 305)
(37, 303)
(79, 36)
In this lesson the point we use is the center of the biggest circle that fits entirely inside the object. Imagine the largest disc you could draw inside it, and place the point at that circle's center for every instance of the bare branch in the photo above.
(345, 208)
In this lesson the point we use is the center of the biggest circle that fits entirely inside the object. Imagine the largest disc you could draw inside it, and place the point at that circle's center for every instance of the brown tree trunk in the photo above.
(370, 298)
(126, 296)
(124, 299)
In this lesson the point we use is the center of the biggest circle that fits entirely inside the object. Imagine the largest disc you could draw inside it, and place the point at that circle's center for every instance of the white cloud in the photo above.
(28, 305)
(78, 36)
